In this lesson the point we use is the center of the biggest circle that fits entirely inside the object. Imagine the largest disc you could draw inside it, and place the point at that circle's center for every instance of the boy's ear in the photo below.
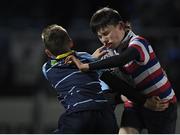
(121, 25)
(71, 44)
(48, 53)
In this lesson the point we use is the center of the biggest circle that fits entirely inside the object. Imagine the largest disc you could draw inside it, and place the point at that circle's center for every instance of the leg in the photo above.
(88, 122)
(106, 122)
(131, 122)
(128, 130)
(76, 123)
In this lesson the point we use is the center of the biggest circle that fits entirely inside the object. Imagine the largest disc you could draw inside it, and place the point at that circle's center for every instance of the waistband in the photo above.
(129, 103)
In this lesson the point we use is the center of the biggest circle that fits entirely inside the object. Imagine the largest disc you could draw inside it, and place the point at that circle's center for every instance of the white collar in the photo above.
(128, 36)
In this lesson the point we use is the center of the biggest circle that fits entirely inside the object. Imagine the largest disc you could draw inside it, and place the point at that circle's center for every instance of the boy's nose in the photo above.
(106, 42)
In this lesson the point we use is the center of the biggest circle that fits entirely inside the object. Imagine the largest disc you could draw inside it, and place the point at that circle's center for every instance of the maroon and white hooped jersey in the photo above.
(146, 71)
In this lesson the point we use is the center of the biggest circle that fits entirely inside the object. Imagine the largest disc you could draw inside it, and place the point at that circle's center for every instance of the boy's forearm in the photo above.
(78, 63)
(115, 61)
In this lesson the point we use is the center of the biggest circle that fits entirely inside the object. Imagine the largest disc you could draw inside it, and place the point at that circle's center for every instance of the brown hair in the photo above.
(106, 16)
(55, 39)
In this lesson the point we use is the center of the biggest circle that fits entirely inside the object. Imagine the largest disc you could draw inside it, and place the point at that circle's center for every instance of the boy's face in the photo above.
(111, 36)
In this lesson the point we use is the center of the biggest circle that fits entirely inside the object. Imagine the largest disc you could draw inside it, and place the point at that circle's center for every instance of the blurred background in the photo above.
(28, 104)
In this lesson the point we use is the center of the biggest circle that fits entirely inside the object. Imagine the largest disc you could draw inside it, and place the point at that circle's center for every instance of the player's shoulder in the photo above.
(84, 55)
(138, 40)
(45, 66)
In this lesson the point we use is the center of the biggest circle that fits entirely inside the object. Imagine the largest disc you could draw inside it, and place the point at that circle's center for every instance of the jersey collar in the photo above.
(55, 60)
(129, 35)
(61, 56)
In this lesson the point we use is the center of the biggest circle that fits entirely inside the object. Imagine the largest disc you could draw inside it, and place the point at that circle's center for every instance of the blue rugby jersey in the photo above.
(76, 90)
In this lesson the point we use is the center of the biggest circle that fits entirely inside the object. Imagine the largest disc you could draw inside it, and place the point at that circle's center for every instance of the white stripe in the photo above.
(129, 64)
(68, 107)
(134, 37)
(44, 70)
(63, 98)
(61, 63)
(71, 89)
(146, 54)
(171, 95)
(89, 100)
(48, 69)
(66, 78)
(100, 92)
(150, 49)
(51, 67)
(156, 86)
(146, 73)
(100, 100)
(58, 63)
(93, 82)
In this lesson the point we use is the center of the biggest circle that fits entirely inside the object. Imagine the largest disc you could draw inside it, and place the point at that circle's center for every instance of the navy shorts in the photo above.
(155, 122)
(88, 122)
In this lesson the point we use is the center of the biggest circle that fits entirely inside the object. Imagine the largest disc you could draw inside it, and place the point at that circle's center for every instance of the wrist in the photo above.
(86, 67)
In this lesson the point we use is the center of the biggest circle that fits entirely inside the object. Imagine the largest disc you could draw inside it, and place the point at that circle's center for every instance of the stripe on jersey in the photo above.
(66, 77)
(95, 82)
(169, 94)
(82, 102)
(146, 73)
(130, 68)
(166, 93)
(152, 82)
(156, 86)
(163, 88)
(149, 78)
(142, 40)
(150, 49)
(144, 68)
(144, 55)
(44, 70)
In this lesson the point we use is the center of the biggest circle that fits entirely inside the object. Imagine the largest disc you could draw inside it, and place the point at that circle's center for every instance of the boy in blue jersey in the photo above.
(135, 58)
(87, 111)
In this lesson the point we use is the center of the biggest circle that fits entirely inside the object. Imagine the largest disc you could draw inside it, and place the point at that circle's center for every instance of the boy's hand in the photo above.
(69, 59)
(156, 104)
(99, 52)
(79, 64)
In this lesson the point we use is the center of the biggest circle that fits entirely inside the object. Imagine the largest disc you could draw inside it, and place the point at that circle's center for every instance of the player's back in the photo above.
(76, 90)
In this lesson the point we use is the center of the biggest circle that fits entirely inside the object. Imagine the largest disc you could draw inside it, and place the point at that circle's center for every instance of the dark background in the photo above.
(25, 94)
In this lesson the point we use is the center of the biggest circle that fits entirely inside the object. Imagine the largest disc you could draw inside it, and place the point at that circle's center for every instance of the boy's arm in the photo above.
(115, 61)
(79, 64)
